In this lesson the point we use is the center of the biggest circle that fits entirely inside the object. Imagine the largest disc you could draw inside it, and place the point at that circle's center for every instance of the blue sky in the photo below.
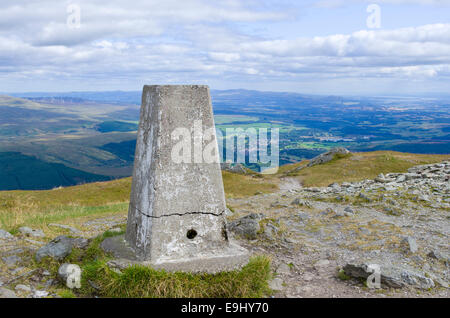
(318, 47)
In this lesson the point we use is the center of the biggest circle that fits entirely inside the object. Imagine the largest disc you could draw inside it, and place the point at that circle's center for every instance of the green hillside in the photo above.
(18, 171)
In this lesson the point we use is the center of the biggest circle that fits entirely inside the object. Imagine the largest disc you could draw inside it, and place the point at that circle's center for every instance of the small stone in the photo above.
(58, 249)
(80, 242)
(364, 197)
(321, 265)
(410, 244)
(50, 282)
(40, 294)
(364, 231)
(7, 293)
(11, 260)
(435, 254)
(115, 230)
(283, 269)
(30, 232)
(308, 276)
(23, 288)
(5, 235)
(247, 226)
(94, 285)
(276, 284)
(303, 216)
(349, 210)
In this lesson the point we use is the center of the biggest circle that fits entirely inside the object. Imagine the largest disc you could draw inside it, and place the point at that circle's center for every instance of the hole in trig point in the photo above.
(191, 234)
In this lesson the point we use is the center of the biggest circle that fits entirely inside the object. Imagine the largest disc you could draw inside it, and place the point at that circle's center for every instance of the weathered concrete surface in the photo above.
(170, 200)
(213, 260)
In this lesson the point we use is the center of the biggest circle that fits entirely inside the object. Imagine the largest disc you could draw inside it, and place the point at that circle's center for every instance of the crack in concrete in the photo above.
(176, 214)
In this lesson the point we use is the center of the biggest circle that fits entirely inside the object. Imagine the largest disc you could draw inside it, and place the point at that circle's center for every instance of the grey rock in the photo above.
(392, 211)
(23, 288)
(322, 265)
(327, 156)
(80, 242)
(327, 212)
(417, 280)
(270, 230)
(349, 210)
(40, 294)
(58, 249)
(7, 293)
(30, 232)
(436, 255)
(390, 276)
(301, 202)
(283, 268)
(276, 284)
(5, 235)
(50, 282)
(34, 242)
(409, 243)
(247, 226)
(303, 216)
(11, 260)
(364, 197)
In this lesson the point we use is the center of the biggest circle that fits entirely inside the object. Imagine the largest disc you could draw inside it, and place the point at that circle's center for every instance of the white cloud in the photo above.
(196, 40)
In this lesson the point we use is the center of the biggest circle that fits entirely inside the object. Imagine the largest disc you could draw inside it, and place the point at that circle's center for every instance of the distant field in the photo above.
(226, 119)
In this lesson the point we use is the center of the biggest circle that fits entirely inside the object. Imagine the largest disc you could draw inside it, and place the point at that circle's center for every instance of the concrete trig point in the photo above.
(176, 218)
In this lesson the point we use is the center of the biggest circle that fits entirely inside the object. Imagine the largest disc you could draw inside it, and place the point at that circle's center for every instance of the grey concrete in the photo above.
(211, 261)
(169, 199)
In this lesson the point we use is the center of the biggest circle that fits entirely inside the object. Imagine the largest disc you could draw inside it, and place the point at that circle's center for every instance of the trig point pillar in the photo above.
(176, 218)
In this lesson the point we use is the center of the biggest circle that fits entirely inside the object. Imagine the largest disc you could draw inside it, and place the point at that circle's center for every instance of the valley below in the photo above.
(91, 136)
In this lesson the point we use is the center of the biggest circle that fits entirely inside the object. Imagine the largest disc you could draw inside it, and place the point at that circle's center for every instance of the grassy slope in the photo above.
(65, 205)
(358, 166)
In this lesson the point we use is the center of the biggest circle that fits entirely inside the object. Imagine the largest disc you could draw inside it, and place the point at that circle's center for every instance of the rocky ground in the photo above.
(18, 278)
(321, 239)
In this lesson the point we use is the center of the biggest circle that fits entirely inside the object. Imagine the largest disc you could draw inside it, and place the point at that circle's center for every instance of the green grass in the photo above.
(342, 276)
(67, 205)
(241, 186)
(144, 282)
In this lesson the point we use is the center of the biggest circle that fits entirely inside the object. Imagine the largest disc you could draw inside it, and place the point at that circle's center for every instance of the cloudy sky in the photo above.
(320, 47)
